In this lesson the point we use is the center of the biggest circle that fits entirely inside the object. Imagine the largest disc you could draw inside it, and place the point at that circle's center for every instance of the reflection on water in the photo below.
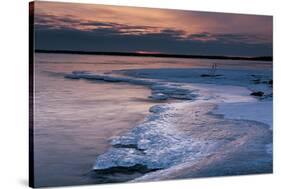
(75, 120)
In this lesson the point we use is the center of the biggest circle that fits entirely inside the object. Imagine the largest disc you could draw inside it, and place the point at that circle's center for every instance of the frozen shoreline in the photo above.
(192, 141)
(233, 102)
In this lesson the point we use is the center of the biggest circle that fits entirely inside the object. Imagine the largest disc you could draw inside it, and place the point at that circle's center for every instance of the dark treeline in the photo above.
(259, 58)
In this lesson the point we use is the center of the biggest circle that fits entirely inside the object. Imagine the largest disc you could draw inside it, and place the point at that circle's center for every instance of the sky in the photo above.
(92, 27)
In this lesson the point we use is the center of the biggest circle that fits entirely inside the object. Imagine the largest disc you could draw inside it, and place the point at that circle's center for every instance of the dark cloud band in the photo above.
(68, 33)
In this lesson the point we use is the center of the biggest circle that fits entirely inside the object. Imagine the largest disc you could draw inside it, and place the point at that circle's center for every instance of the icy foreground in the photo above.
(183, 138)
(154, 144)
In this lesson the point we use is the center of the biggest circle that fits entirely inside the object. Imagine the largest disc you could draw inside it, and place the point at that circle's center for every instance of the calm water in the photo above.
(75, 120)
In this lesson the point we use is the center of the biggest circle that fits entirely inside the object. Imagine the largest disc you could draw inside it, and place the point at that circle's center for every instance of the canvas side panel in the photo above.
(31, 93)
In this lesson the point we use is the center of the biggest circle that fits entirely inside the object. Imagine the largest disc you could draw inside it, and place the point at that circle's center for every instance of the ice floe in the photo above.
(159, 90)
(154, 144)
(255, 80)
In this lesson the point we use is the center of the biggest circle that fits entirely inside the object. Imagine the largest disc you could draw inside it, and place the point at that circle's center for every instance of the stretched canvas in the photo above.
(131, 94)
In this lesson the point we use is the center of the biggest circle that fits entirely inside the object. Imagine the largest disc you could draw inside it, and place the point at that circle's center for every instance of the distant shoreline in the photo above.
(259, 58)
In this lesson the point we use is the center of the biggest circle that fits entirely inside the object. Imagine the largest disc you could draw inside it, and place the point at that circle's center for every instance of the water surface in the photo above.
(75, 120)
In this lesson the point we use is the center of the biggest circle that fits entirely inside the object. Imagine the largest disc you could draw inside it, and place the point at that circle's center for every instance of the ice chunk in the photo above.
(159, 96)
(129, 156)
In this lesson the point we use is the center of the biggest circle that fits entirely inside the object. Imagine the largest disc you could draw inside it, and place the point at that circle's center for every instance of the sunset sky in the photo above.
(88, 27)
